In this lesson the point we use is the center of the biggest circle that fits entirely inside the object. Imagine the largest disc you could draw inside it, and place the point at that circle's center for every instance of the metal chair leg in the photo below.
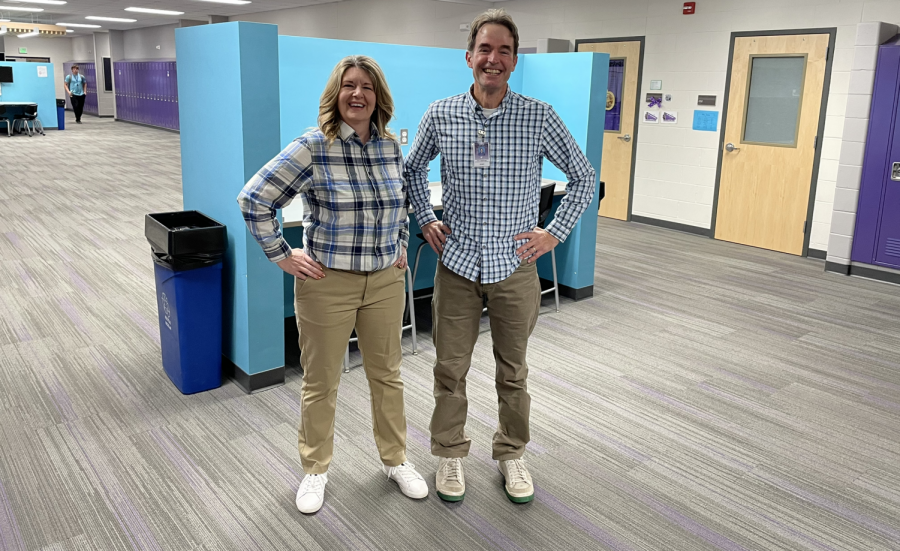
(412, 309)
(555, 282)
(347, 359)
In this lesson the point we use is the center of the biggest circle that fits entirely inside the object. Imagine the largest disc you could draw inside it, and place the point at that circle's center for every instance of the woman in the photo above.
(350, 272)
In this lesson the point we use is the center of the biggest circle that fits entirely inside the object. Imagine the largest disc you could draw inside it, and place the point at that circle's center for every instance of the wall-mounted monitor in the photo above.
(6, 74)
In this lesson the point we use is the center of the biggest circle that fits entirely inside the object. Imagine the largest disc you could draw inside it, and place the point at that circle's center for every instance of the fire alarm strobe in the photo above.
(690, 8)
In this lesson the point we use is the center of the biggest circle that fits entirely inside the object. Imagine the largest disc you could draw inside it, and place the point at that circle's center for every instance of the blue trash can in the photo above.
(188, 248)
(61, 114)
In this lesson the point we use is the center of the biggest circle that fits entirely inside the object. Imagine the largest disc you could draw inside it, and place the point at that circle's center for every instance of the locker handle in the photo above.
(895, 172)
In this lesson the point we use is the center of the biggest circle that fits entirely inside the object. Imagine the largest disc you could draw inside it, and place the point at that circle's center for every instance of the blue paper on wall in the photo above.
(706, 120)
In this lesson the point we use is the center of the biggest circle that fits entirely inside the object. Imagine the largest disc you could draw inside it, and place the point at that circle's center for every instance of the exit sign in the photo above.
(23, 50)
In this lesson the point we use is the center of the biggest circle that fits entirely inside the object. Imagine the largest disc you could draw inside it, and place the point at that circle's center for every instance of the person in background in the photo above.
(492, 142)
(76, 87)
(350, 272)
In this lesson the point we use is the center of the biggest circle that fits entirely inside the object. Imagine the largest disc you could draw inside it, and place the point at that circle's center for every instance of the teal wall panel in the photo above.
(228, 110)
(28, 86)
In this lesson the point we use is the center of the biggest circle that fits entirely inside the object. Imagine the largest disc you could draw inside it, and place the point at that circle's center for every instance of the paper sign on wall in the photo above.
(707, 121)
(669, 117)
(651, 117)
(42, 71)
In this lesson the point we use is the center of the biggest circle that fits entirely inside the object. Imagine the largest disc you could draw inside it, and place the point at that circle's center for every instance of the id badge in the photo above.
(481, 154)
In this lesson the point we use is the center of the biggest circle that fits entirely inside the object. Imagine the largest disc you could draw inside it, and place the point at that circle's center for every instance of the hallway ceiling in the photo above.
(75, 11)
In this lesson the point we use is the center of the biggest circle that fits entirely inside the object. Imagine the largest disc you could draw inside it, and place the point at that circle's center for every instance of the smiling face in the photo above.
(492, 59)
(356, 100)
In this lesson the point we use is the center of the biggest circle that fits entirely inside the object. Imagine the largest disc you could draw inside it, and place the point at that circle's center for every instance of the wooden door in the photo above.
(774, 102)
(618, 143)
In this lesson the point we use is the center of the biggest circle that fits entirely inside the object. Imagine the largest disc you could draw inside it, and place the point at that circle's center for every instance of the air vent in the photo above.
(892, 247)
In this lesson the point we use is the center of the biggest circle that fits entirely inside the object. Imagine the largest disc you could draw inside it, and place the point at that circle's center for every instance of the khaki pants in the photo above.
(327, 311)
(513, 306)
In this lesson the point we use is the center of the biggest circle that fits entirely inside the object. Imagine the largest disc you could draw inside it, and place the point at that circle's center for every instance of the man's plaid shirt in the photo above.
(486, 207)
(354, 200)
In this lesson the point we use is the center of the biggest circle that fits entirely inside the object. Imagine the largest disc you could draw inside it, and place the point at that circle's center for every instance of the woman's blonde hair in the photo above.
(330, 116)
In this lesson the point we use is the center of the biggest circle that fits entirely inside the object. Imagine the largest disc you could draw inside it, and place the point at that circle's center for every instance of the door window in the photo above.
(775, 90)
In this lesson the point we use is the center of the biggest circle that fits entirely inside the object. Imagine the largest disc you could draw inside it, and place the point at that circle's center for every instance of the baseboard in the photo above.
(696, 230)
(834, 267)
(878, 274)
(257, 382)
(569, 292)
(150, 126)
(816, 253)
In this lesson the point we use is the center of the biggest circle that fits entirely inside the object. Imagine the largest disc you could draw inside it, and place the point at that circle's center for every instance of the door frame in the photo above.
(637, 105)
(820, 131)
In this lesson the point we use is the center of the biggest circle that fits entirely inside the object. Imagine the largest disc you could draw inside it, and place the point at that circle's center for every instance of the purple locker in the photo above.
(877, 236)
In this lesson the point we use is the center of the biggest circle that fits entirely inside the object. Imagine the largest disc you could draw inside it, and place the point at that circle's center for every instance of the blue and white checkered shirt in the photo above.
(354, 200)
(486, 207)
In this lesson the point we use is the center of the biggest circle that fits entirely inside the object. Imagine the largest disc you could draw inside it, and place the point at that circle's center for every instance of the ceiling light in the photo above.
(239, 2)
(16, 8)
(69, 31)
(157, 12)
(27, 35)
(4, 21)
(51, 2)
(85, 25)
(116, 19)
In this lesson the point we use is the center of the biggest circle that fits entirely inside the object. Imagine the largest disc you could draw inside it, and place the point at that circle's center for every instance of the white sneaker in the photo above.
(449, 480)
(519, 487)
(311, 494)
(411, 483)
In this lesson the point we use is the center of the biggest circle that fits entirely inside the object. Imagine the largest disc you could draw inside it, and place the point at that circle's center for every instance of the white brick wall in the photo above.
(675, 172)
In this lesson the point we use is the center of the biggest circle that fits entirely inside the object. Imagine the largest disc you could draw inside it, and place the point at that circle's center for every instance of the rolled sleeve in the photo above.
(415, 172)
(273, 188)
(560, 148)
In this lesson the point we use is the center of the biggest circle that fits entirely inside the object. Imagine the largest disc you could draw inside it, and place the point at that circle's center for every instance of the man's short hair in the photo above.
(76, 67)
(493, 17)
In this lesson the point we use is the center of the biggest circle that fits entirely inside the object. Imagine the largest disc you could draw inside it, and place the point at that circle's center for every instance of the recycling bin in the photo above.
(61, 114)
(188, 248)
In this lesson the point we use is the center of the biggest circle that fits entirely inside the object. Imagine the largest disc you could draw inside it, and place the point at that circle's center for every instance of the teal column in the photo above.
(229, 115)
(575, 85)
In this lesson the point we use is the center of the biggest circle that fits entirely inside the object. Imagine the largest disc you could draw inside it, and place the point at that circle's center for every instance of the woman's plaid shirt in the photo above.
(354, 200)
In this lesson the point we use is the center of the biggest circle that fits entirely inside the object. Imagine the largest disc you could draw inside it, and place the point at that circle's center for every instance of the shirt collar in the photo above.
(470, 98)
(347, 132)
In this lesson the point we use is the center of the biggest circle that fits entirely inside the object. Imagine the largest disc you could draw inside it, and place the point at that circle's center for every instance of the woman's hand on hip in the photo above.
(299, 264)
(402, 263)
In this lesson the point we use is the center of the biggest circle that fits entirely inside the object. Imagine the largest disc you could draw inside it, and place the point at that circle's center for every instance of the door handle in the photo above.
(729, 147)
(625, 138)
(895, 172)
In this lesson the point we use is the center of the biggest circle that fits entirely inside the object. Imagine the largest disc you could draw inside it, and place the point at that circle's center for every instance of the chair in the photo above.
(29, 114)
(544, 207)
(411, 325)
(5, 118)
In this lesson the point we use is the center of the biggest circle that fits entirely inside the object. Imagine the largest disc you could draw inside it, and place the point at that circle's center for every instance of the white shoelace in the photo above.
(407, 471)
(312, 483)
(516, 471)
(453, 469)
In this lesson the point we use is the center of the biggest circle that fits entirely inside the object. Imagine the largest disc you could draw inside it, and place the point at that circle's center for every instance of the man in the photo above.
(492, 142)
(76, 87)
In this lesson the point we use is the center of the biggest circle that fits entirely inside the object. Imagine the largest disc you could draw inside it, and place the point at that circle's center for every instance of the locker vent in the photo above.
(892, 247)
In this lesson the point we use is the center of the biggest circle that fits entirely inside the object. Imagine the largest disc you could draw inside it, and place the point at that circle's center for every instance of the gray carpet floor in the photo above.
(709, 396)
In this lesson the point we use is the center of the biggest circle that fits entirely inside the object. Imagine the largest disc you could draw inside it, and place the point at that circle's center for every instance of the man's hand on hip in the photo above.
(299, 264)
(436, 234)
(539, 242)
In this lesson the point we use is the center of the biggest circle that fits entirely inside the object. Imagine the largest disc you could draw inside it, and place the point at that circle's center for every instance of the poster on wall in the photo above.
(42, 71)
(669, 117)
(707, 121)
(651, 117)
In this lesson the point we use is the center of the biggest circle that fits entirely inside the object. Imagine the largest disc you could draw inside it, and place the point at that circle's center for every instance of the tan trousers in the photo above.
(513, 306)
(327, 311)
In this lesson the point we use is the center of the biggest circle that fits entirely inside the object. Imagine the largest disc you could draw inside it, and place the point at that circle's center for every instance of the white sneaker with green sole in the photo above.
(518, 486)
(449, 481)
